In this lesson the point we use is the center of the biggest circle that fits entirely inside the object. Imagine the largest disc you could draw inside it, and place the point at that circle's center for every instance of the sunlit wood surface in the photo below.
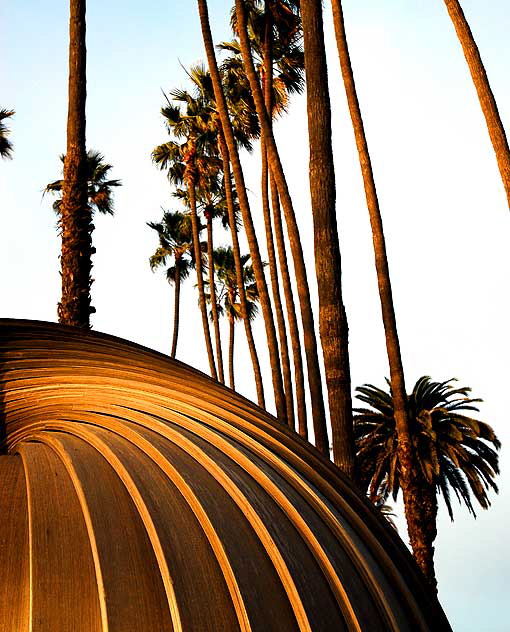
(137, 495)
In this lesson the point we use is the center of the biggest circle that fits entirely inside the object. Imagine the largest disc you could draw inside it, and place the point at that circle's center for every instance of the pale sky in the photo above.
(444, 209)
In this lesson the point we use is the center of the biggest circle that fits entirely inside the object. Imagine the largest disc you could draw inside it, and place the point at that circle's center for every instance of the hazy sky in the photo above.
(443, 205)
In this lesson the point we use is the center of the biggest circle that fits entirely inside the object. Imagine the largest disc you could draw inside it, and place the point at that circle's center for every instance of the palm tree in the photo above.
(228, 295)
(283, 53)
(231, 144)
(5, 143)
(244, 127)
(485, 96)
(274, 29)
(185, 163)
(99, 188)
(210, 200)
(412, 509)
(175, 241)
(332, 318)
(310, 342)
(76, 223)
(453, 450)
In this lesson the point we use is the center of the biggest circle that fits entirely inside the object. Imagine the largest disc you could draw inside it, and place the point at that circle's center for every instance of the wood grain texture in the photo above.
(14, 553)
(62, 570)
(138, 494)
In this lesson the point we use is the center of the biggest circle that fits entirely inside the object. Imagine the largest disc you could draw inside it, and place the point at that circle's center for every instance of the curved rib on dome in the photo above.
(139, 495)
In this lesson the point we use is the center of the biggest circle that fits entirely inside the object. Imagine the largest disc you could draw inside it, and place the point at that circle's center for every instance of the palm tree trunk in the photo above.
(251, 236)
(214, 307)
(406, 456)
(231, 324)
(239, 270)
(266, 210)
(429, 511)
(275, 286)
(332, 318)
(177, 281)
(200, 277)
(295, 337)
(76, 221)
(485, 96)
(310, 341)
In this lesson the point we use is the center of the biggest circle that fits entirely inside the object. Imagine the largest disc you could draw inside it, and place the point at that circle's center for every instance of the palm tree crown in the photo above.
(228, 301)
(287, 57)
(100, 194)
(5, 143)
(453, 450)
(175, 241)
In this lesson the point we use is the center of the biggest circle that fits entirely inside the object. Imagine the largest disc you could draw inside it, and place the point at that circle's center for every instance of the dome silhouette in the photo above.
(137, 494)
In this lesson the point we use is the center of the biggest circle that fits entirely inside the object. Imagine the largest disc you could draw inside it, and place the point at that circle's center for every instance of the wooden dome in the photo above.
(138, 495)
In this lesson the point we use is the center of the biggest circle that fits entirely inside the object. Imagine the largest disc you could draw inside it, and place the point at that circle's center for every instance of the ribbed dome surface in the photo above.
(139, 495)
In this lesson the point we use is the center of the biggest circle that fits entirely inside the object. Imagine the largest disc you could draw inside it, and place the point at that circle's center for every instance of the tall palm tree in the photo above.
(185, 163)
(244, 128)
(409, 485)
(454, 452)
(76, 224)
(278, 56)
(175, 235)
(481, 82)
(228, 295)
(230, 143)
(310, 342)
(5, 143)
(332, 318)
(99, 187)
(282, 52)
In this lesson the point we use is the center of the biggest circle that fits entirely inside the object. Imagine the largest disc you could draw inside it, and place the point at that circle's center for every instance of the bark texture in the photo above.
(332, 317)
(266, 209)
(177, 297)
(410, 488)
(231, 331)
(258, 269)
(485, 96)
(214, 306)
(295, 337)
(275, 287)
(76, 220)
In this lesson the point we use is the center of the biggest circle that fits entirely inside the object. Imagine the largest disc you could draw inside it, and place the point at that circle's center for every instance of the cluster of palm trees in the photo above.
(278, 43)
(420, 443)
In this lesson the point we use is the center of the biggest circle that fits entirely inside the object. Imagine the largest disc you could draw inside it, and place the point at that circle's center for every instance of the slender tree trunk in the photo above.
(332, 317)
(214, 307)
(310, 341)
(485, 96)
(198, 265)
(76, 220)
(239, 270)
(231, 325)
(275, 286)
(266, 210)
(429, 496)
(177, 295)
(251, 236)
(410, 487)
(295, 337)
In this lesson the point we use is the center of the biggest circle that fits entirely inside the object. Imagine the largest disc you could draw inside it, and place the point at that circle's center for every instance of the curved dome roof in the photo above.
(139, 495)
